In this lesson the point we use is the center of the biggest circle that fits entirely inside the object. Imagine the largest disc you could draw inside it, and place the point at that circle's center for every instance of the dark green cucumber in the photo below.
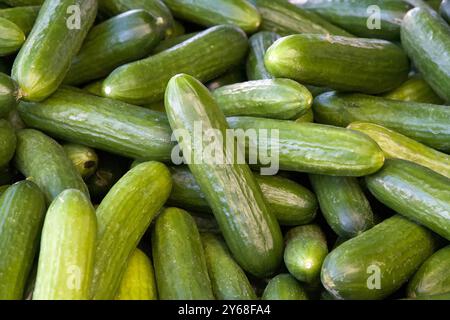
(23, 17)
(415, 192)
(66, 256)
(426, 39)
(284, 287)
(444, 10)
(8, 142)
(205, 56)
(271, 98)
(57, 36)
(209, 13)
(179, 259)
(347, 64)
(22, 211)
(259, 43)
(306, 249)
(84, 158)
(314, 148)
(398, 146)
(78, 117)
(41, 159)
(415, 89)
(228, 280)
(125, 38)
(232, 76)
(433, 277)
(426, 123)
(343, 204)
(172, 42)
(11, 37)
(123, 217)
(378, 262)
(249, 228)
(8, 95)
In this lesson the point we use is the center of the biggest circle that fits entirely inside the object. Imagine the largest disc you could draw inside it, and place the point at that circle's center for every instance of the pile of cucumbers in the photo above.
(95, 204)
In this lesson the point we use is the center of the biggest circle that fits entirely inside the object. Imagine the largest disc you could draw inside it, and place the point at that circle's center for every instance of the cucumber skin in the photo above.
(251, 231)
(398, 146)
(397, 246)
(22, 211)
(415, 192)
(11, 37)
(123, 217)
(24, 17)
(284, 287)
(8, 95)
(343, 204)
(370, 66)
(179, 259)
(84, 158)
(259, 43)
(426, 39)
(45, 58)
(66, 259)
(205, 56)
(8, 142)
(172, 42)
(426, 123)
(416, 90)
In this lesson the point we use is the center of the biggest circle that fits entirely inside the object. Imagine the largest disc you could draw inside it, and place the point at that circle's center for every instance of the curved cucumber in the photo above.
(415, 89)
(284, 287)
(259, 43)
(8, 95)
(8, 142)
(24, 17)
(11, 37)
(84, 158)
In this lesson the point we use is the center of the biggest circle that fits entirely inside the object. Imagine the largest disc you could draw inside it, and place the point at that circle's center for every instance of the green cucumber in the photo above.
(306, 249)
(138, 281)
(22, 211)
(23, 17)
(378, 262)
(57, 35)
(343, 204)
(259, 43)
(205, 56)
(8, 95)
(307, 117)
(415, 89)
(271, 98)
(347, 64)
(444, 10)
(94, 88)
(284, 287)
(11, 37)
(43, 160)
(433, 277)
(426, 39)
(125, 38)
(84, 158)
(398, 146)
(123, 217)
(66, 257)
(228, 280)
(232, 76)
(8, 142)
(178, 29)
(415, 192)
(180, 264)
(314, 148)
(172, 42)
(424, 122)
(249, 228)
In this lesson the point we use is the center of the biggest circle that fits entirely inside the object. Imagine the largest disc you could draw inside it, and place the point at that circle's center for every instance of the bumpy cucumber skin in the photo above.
(179, 259)
(259, 43)
(24, 17)
(415, 89)
(415, 192)
(249, 228)
(426, 123)
(8, 142)
(123, 217)
(391, 252)
(284, 287)
(138, 281)
(66, 258)
(8, 95)
(84, 158)
(444, 10)
(45, 58)
(11, 37)
(347, 64)
(205, 56)
(426, 39)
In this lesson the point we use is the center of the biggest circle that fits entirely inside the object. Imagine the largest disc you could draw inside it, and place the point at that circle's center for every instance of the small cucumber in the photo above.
(24, 17)
(8, 142)
(416, 90)
(84, 158)
(284, 287)
(8, 95)
(259, 43)
(11, 37)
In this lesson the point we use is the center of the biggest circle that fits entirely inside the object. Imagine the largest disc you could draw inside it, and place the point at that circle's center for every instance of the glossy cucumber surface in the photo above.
(415, 89)
(24, 17)
(284, 287)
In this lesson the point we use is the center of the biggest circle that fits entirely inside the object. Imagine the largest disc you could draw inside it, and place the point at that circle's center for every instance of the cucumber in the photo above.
(424, 122)
(208, 13)
(444, 10)
(138, 281)
(306, 249)
(343, 204)
(94, 88)
(172, 42)
(272, 98)
(11, 37)
(180, 264)
(8, 95)
(228, 280)
(259, 43)
(378, 262)
(43, 160)
(232, 76)
(249, 228)
(415, 192)
(338, 62)
(125, 38)
(57, 35)
(123, 217)
(284, 287)
(433, 277)
(84, 158)
(425, 37)
(314, 148)
(93, 121)
(307, 117)
(22, 211)
(178, 29)
(398, 146)
(205, 56)
(66, 258)
(23, 17)
(8, 142)
(415, 89)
